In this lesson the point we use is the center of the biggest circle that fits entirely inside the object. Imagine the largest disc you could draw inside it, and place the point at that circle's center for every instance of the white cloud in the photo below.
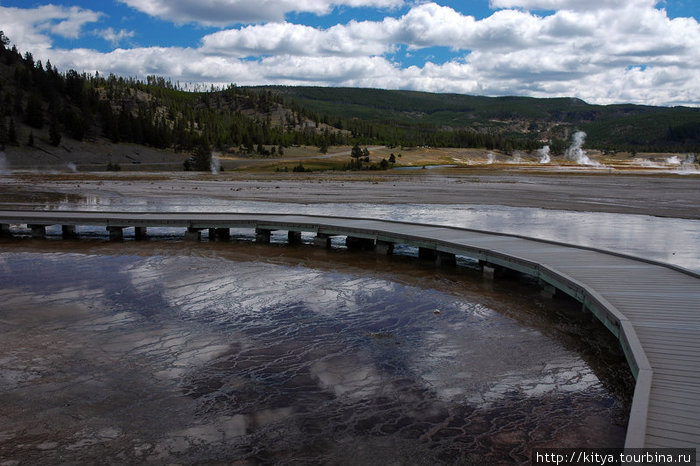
(29, 29)
(585, 5)
(226, 12)
(114, 37)
(293, 39)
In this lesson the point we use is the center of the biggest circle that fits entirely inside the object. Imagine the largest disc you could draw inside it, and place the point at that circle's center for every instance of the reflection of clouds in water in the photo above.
(467, 352)
(348, 376)
(250, 288)
(213, 285)
(229, 366)
(487, 356)
(559, 374)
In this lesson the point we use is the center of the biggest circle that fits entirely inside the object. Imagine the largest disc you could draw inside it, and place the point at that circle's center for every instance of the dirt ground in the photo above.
(658, 195)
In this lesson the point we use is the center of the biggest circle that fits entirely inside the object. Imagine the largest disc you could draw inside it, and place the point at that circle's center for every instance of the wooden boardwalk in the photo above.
(653, 308)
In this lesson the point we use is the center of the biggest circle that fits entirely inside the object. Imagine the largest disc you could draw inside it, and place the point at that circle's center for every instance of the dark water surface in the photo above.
(165, 351)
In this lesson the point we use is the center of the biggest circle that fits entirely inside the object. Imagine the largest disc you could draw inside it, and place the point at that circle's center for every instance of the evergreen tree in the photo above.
(55, 132)
(202, 156)
(357, 154)
(33, 112)
(3, 132)
(12, 132)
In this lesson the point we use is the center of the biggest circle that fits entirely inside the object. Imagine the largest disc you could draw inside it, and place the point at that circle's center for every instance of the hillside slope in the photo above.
(627, 126)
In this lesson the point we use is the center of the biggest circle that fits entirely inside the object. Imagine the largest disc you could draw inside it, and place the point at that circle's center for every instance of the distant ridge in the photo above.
(617, 127)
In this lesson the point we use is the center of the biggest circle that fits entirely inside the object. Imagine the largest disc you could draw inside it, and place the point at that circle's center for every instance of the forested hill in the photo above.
(38, 100)
(401, 114)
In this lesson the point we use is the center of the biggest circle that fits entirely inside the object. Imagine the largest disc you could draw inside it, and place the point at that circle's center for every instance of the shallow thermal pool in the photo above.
(669, 240)
(165, 351)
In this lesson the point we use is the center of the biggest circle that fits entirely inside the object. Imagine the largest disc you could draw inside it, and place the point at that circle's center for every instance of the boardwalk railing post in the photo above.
(4, 229)
(322, 240)
(353, 242)
(193, 234)
(68, 231)
(294, 237)
(548, 291)
(38, 231)
(223, 233)
(385, 248)
(446, 259)
(115, 233)
(488, 270)
(262, 235)
(140, 233)
(427, 253)
(219, 233)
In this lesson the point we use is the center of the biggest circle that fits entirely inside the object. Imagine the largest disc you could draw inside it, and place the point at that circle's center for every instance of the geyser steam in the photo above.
(215, 164)
(544, 155)
(575, 153)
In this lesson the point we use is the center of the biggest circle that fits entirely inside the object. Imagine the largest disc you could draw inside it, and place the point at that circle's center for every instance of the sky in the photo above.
(601, 51)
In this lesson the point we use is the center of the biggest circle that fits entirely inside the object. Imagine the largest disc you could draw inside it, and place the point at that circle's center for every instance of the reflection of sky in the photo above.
(367, 330)
(669, 240)
(355, 334)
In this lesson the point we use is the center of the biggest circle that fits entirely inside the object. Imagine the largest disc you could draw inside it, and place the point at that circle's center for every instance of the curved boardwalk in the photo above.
(653, 308)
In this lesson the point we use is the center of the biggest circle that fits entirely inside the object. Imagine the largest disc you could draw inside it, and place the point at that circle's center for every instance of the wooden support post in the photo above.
(219, 233)
(548, 291)
(427, 254)
(140, 233)
(488, 270)
(223, 233)
(322, 240)
(384, 248)
(446, 259)
(68, 231)
(115, 233)
(193, 234)
(38, 231)
(294, 237)
(353, 242)
(4, 229)
(262, 235)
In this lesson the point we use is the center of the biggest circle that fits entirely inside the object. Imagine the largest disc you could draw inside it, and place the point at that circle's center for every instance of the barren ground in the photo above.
(659, 195)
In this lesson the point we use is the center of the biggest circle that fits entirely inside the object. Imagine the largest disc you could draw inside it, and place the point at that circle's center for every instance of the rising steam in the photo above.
(575, 153)
(215, 163)
(544, 155)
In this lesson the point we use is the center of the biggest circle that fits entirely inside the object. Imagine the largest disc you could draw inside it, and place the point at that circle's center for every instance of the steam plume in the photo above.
(215, 163)
(575, 153)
